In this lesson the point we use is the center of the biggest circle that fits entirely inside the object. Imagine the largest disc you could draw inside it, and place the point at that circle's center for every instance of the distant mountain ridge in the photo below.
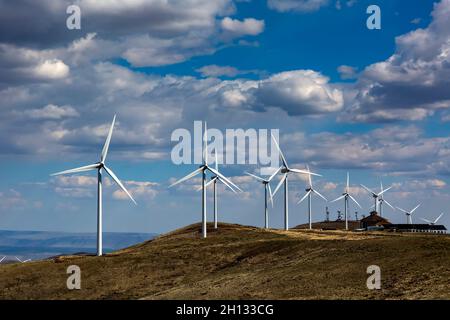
(42, 244)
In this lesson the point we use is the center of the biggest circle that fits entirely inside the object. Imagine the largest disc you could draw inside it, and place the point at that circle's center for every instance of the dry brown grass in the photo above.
(239, 262)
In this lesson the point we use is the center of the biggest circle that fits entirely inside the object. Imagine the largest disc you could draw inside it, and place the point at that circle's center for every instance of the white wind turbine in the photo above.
(286, 170)
(214, 180)
(99, 166)
(428, 221)
(376, 196)
(408, 214)
(309, 192)
(346, 195)
(382, 200)
(21, 261)
(202, 169)
(267, 189)
(2, 259)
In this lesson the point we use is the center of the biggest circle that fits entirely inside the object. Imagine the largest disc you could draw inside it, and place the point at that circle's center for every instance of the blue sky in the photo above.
(373, 102)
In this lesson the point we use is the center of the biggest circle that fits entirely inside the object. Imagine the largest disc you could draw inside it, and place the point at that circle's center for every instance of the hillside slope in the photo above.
(240, 262)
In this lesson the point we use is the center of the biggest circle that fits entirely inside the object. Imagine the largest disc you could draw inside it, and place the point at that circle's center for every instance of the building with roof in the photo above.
(373, 220)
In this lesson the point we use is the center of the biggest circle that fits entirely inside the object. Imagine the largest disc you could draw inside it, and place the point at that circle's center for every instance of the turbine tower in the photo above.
(99, 166)
(346, 195)
(202, 169)
(309, 192)
(267, 189)
(214, 180)
(375, 195)
(408, 214)
(286, 170)
(428, 221)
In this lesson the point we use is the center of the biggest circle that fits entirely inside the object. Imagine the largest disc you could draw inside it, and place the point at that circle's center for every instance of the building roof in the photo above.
(374, 218)
(416, 226)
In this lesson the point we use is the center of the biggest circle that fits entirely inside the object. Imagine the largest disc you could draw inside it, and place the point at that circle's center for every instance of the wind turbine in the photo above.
(267, 189)
(99, 166)
(286, 170)
(428, 221)
(214, 180)
(21, 260)
(202, 169)
(309, 192)
(376, 196)
(408, 214)
(346, 195)
(2, 259)
(382, 200)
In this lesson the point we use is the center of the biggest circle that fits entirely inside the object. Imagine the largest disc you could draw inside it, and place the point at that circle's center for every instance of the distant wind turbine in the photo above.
(21, 260)
(382, 200)
(2, 259)
(346, 195)
(309, 192)
(408, 214)
(202, 169)
(99, 166)
(376, 195)
(267, 189)
(214, 180)
(428, 221)
(286, 170)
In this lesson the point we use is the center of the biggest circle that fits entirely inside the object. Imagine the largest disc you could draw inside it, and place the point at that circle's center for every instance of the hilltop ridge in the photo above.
(242, 262)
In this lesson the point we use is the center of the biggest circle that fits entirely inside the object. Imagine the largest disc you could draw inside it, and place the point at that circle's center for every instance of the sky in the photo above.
(344, 98)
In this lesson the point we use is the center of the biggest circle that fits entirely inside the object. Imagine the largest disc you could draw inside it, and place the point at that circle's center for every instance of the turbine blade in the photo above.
(223, 178)
(1, 260)
(437, 219)
(113, 175)
(18, 259)
(320, 195)
(283, 159)
(280, 183)
(354, 200)
(415, 209)
(270, 193)
(348, 182)
(385, 190)
(208, 183)
(274, 174)
(225, 183)
(309, 176)
(190, 175)
(402, 210)
(367, 189)
(392, 207)
(304, 197)
(108, 141)
(77, 170)
(340, 198)
(426, 220)
(254, 176)
(305, 172)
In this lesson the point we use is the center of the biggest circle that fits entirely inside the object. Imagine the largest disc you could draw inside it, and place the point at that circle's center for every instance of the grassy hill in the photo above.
(331, 225)
(239, 262)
